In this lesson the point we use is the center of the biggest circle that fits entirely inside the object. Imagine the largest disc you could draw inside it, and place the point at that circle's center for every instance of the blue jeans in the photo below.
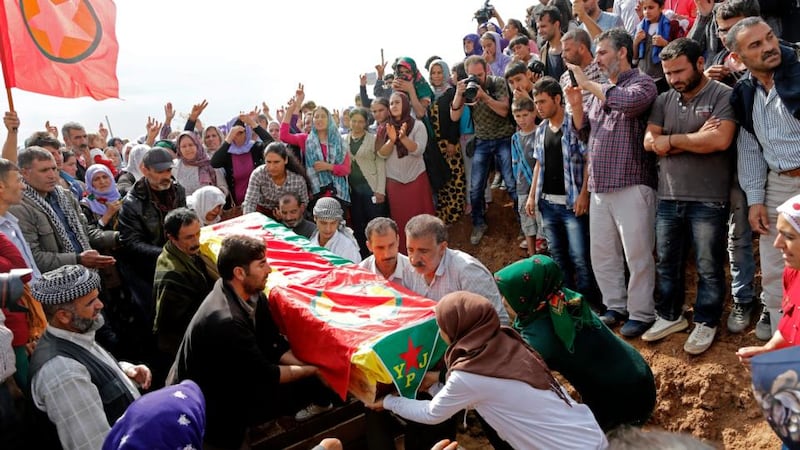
(680, 224)
(485, 150)
(740, 248)
(568, 242)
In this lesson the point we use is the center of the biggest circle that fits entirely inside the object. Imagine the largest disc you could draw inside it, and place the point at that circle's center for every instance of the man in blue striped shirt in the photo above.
(767, 105)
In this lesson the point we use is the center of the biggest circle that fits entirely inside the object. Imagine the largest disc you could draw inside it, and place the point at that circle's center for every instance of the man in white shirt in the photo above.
(383, 240)
(442, 270)
(331, 230)
(75, 382)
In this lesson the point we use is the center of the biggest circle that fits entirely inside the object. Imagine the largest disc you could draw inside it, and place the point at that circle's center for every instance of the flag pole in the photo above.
(109, 126)
(10, 99)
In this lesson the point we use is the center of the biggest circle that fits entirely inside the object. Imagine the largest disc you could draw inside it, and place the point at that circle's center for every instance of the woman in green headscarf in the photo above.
(611, 377)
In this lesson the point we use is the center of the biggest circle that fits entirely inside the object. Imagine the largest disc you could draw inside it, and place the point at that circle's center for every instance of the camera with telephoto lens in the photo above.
(11, 286)
(536, 67)
(485, 13)
(471, 91)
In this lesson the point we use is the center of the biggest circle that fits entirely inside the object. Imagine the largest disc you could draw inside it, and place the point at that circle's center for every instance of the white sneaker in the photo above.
(662, 328)
(310, 411)
(700, 339)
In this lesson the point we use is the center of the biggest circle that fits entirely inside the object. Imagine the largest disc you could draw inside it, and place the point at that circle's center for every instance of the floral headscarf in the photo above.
(421, 87)
(208, 177)
(533, 288)
(96, 200)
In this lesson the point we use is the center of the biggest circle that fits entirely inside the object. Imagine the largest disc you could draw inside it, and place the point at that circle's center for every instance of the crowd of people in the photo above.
(626, 133)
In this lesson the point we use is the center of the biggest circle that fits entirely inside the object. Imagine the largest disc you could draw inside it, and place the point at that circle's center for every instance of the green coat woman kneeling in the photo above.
(612, 378)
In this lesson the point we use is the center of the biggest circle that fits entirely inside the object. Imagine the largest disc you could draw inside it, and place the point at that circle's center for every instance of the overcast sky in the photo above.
(237, 53)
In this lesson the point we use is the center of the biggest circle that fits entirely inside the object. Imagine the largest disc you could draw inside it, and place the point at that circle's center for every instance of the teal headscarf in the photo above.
(335, 155)
(421, 87)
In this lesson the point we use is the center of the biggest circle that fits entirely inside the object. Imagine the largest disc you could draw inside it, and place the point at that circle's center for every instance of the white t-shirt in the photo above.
(340, 244)
(525, 417)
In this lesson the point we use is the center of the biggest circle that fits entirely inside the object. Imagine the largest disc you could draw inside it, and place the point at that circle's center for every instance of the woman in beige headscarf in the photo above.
(491, 369)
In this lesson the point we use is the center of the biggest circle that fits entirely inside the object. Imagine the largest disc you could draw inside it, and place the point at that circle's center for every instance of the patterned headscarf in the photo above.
(533, 288)
(421, 87)
(335, 155)
(248, 138)
(405, 118)
(208, 177)
(790, 210)
(169, 418)
(480, 345)
(65, 284)
(96, 200)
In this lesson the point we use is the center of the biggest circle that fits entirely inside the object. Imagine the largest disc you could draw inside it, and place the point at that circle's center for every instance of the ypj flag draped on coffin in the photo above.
(358, 328)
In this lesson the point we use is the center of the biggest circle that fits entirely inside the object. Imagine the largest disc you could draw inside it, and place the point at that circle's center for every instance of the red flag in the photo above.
(65, 48)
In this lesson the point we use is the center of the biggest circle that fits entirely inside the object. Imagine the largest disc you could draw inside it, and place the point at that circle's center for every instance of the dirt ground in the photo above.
(708, 396)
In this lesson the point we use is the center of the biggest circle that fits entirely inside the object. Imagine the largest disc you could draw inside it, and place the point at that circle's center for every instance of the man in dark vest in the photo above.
(81, 388)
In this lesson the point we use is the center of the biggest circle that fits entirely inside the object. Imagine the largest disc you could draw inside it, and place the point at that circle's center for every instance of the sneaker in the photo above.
(699, 339)
(740, 317)
(523, 245)
(310, 411)
(634, 328)
(611, 317)
(662, 328)
(497, 180)
(477, 233)
(763, 327)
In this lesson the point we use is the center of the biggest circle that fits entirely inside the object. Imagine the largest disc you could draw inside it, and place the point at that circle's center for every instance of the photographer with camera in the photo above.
(487, 97)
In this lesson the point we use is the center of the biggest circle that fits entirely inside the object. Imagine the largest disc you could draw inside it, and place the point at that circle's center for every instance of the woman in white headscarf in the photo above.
(207, 202)
(132, 170)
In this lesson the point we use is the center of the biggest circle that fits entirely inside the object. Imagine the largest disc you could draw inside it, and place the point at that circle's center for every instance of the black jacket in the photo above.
(141, 226)
(234, 359)
(221, 159)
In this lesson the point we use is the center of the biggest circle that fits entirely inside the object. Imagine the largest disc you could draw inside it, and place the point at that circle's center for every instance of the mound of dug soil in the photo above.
(708, 396)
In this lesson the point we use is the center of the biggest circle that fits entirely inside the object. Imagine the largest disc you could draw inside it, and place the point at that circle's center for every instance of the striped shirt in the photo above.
(459, 271)
(775, 145)
(616, 137)
(64, 390)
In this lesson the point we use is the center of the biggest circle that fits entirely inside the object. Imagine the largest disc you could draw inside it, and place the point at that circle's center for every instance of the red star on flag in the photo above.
(57, 21)
(411, 355)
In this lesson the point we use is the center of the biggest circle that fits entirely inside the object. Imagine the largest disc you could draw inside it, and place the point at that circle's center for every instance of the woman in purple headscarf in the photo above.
(239, 154)
(193, 169)
(472, 45)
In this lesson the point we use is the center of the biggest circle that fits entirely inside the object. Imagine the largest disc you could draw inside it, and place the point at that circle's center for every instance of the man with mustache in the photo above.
(691, 128)
(141, 229)
(183, 278)
(767, 105)
(386, 260)
(442, 270)
(290, 210)
(79, 389)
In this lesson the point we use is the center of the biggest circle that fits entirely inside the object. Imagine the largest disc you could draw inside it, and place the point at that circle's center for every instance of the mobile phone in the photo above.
(572, 78)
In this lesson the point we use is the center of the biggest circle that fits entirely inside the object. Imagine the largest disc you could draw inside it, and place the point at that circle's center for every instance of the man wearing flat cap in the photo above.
(141, 228)
(75, 383)
(331, 230)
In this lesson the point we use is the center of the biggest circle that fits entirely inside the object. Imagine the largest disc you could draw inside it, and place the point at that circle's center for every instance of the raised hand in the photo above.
(381, 69)
(336, 117)
(103, 132)
(235, 131)
(197, 109)
(265, 110)
(169, 113)
(11, 121)
(403, 131)
(362, 79)
(52, 129)
(153, 128)
(391, 132)
(299, 94)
